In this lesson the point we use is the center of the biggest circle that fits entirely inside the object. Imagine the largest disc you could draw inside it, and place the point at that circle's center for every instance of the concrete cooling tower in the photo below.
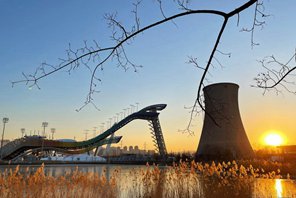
(225, 139)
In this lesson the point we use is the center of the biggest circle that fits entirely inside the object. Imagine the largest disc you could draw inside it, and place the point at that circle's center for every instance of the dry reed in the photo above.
(182, 180)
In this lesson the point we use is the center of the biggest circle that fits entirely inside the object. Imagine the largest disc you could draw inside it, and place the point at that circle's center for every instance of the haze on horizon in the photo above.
(33, 32)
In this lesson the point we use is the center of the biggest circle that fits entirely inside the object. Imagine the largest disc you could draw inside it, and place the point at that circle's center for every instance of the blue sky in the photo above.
(36, 31)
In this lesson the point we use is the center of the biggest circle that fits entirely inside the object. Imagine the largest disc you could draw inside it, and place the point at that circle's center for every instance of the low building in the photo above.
(117, 151)
(287, 149)
(75, 158)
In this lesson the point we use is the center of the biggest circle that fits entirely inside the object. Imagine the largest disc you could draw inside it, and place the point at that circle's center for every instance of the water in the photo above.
(57, 170)
(129, 180)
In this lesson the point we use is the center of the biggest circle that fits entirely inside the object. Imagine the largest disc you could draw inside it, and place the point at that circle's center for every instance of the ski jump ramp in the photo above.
(25, 145)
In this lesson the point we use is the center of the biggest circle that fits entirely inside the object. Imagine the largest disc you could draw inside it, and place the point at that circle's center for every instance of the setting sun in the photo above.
(273, 139)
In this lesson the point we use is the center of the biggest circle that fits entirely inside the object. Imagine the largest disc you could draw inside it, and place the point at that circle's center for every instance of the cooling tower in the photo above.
(223, 135)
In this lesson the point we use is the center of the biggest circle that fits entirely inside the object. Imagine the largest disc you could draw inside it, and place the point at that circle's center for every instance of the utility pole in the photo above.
(5, 120)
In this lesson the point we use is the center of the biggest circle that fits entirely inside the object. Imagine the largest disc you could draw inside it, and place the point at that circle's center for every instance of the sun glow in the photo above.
(273, 139)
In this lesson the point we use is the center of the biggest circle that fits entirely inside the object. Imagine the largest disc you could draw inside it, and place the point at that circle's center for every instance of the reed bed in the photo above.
(179, 180)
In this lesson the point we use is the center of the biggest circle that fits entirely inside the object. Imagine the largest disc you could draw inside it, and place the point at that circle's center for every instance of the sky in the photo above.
(32, 32)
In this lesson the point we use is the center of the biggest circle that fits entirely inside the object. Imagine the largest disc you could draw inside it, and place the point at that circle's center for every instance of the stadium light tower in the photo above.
(52, 130)
(124, 112)
(128, 113)
(132, 108)
(117, 117)
(95, 131)
(44, 125)
(86, 132)
(102, 127)
(5, 120)
(23, 131)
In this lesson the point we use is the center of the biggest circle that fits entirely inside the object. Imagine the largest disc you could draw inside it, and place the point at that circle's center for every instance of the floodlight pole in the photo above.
(102, 127)
(110, 122)
(132, 108)
(86, 132)
(23, 131)
(117, 117)
(53, 130)
(44, 124)
(95, 131)
(5, 120)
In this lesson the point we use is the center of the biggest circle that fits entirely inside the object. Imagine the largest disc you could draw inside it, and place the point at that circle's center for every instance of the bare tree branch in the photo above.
(257, 22)
(122, 36)
(276, 75)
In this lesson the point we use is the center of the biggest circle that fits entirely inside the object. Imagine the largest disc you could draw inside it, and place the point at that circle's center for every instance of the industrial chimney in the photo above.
(223, 135)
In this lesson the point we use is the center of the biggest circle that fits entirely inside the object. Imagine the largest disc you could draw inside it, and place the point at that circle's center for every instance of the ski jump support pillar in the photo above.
(157, 136)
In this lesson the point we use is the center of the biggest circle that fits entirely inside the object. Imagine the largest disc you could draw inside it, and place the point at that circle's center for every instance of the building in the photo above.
(75, 158)
(117, 151)
(151, 152)
(287, 149)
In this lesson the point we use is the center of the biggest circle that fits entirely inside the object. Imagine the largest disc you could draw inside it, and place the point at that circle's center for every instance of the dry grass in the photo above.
(182, 180)
(286, 168)
(77, 184)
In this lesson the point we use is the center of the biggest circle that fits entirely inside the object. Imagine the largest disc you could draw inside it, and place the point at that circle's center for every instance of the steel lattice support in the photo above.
(158, 137)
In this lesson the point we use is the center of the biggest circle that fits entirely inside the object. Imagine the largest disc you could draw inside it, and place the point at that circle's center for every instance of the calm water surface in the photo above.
(56, 170)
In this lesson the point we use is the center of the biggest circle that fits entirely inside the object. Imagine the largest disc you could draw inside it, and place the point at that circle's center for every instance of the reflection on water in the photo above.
(278, 187)
(133, 179)
(57, 170)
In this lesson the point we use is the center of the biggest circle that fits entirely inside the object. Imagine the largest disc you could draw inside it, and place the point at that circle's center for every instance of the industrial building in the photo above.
(223, 135)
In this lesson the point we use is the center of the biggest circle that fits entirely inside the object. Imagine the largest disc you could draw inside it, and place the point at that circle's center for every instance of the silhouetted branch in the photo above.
(122, 36)
(276, 76)
(223, 53)
(198, 100)
(257, 22)
(183, 5)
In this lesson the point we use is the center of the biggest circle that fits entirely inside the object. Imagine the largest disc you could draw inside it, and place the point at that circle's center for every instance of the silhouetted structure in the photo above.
(28, 144)
(223, 135)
